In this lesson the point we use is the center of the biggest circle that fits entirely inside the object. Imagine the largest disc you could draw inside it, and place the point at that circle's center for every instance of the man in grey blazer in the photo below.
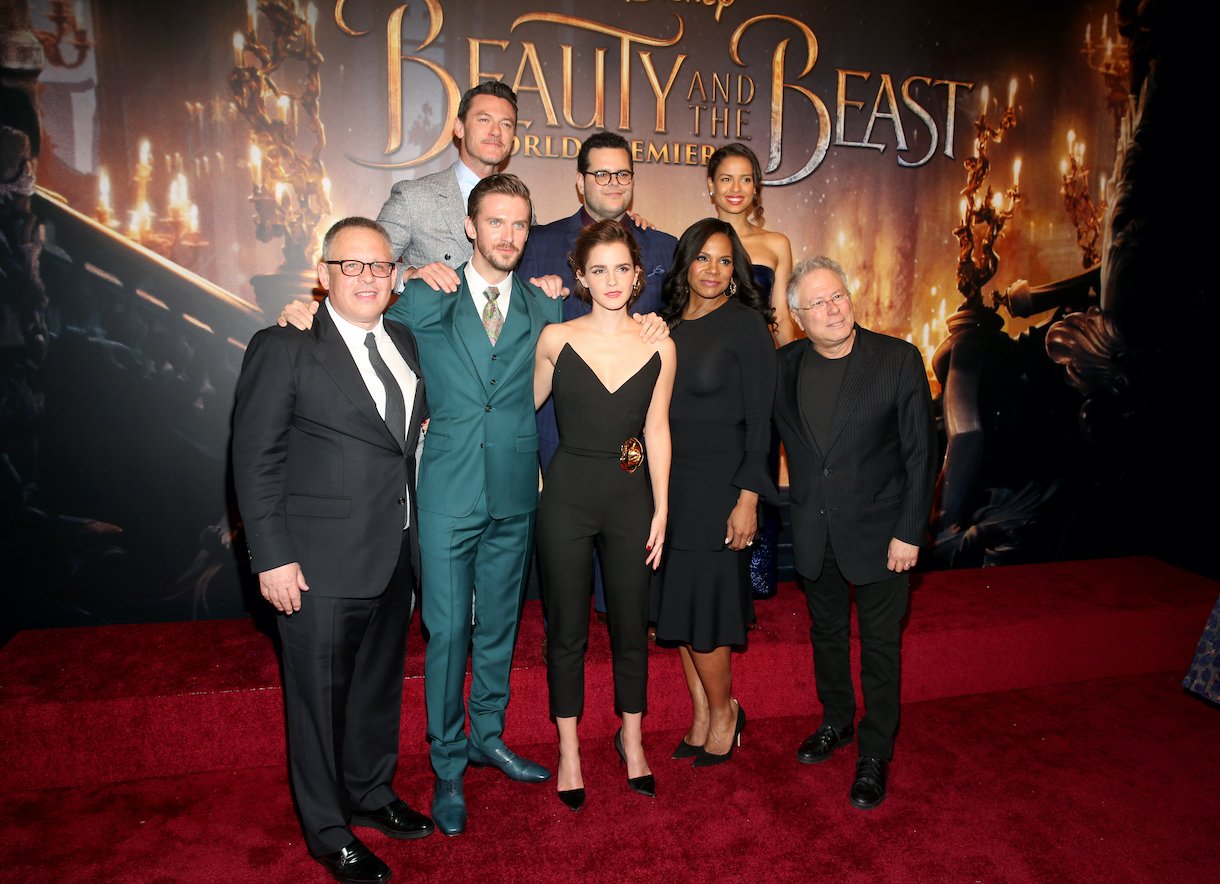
(855, 414)
(426, 217)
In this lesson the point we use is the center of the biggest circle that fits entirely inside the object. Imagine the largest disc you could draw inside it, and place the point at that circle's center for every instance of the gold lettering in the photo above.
(705, 153)
(717, 118)
(698, 109)
(843, 102)
(599, 88)
(658, 156)
(887, 89)
(778, 87)
(477, 74)
(720, 90)
(688, 154)
(952, 84)
(742, 113)
(926, 117)
(529, 55)
(742, 79)
(395, 60)
(696, 81)
(626, 39)
(637, 148)
(571, 147)
(531, 146)
(660, 94)
(343, 25)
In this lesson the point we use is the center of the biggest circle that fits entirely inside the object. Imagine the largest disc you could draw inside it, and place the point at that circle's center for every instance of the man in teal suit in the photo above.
(478, 485)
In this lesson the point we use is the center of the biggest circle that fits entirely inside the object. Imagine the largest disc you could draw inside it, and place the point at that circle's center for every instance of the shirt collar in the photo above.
(586, 219)
(353, 334)
(466, 180)
(479, 285)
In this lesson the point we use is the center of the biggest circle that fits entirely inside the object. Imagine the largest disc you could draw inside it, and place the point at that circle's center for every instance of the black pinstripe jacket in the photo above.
(874, 479)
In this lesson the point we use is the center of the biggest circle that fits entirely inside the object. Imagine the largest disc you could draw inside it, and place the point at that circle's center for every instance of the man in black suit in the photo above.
(324, 437)
(855, 415)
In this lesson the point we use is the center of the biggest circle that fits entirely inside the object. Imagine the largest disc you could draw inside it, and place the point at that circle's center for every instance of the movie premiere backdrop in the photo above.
(982, 171)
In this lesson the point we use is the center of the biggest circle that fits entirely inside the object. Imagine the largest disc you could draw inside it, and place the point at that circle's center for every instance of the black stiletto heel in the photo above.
(708, 759)
(645, 785)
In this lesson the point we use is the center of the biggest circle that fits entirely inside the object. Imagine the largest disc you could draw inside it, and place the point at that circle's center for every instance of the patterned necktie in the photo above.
(493, 319)
(395, 405)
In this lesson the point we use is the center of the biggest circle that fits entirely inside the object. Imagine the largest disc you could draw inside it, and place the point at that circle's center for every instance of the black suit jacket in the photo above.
(873, 479)
(320, 479)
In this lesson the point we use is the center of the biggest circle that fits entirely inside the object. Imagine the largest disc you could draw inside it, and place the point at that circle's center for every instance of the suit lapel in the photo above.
(793, 391)
(333, 355)
(859, 371)
(455, 210)
(463, 328)
(403, 342)
(523, 301)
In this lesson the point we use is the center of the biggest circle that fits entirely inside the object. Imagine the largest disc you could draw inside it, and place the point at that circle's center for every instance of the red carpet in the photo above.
(1107, 777)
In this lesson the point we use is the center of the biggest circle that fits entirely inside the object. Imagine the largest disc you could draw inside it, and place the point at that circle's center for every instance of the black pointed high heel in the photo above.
(573, 798)
(708, 759)
(686, 750)
(645, 785)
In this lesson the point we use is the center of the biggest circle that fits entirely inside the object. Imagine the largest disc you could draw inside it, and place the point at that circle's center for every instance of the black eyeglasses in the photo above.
(380, 269)
(602, 177)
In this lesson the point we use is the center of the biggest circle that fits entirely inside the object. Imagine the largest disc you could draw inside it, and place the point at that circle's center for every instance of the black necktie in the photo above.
(395, 406)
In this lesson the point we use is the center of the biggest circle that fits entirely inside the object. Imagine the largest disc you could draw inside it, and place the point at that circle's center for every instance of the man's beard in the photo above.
(498, 260)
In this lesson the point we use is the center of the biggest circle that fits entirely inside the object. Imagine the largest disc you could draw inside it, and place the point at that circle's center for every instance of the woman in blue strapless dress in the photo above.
(734, 183)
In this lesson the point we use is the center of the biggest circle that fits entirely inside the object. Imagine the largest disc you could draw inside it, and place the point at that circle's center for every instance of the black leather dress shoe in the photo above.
(869, 788)
(512, 766)
(355, 864)
(396, 820)
(822, 743)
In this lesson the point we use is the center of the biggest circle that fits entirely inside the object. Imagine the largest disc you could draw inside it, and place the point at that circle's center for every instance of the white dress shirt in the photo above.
(466, 181)
(478, 285)
(354, 336)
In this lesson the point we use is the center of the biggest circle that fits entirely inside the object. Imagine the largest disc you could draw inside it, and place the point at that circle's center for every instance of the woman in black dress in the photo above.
(720, 423)
(607, 384)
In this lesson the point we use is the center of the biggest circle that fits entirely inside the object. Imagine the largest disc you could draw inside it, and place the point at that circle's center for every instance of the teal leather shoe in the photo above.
(449, 807)
(512, 766)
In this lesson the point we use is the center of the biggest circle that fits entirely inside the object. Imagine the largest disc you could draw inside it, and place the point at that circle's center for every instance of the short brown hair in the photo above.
(487, 87)
(605, 233)
(500, 183)
(354, 221)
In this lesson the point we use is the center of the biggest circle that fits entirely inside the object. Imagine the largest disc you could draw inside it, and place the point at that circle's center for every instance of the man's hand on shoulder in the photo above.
(641, 222)
(282, 587)
(439, 277)
(902, 555)
(552, 286)
(652, 327)
(299, 314)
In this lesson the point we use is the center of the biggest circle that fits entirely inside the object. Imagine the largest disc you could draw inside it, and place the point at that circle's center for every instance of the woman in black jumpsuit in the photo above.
(608, 385)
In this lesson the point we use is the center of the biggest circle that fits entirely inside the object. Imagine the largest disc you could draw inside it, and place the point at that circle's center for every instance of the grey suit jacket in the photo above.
(426, 220)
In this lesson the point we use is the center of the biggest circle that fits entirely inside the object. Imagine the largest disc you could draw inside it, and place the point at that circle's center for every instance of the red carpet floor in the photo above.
(1045, 737)
(1110, 780)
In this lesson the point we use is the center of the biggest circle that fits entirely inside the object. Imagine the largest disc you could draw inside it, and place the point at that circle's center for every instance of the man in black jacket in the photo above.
(855, 415)
(324, 435)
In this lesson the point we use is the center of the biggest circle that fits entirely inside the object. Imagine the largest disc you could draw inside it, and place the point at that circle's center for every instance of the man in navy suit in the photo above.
(854, 411)
(605, 180)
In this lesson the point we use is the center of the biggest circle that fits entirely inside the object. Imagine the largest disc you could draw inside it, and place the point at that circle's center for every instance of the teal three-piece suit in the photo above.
(477, 493)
